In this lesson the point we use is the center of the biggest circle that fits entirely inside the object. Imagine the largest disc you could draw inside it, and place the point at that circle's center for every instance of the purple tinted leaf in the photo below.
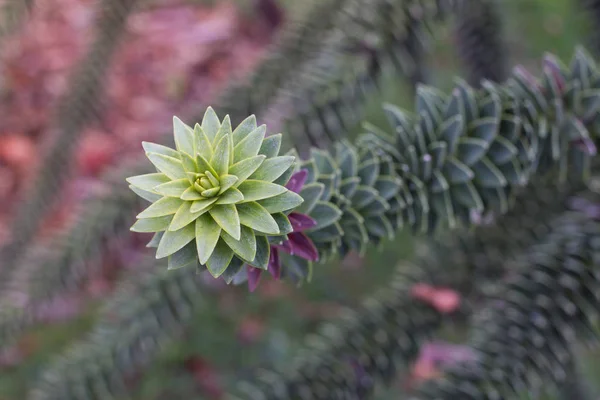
(586, 145)
(285, 246)
(301, 222)
(551, 63)
(302, 246)
(297, 181)
(253, 278)
(274, 266)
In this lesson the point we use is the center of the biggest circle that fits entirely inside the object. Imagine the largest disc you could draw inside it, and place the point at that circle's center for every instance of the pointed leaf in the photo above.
(457, 172)
(204, 165)
(257, 190)
(466, 195)
(247, 167)
(303, 247)
(183, 216)
(283, 222)
(272, 168)
(283, 202)
(255, 216)
(202, 143)
(152, 224)
(488, 175)
(144, 194)
(470, 150)
(451, 130)
(210, 123)
(207, 233)
(227, 181)
(173, 188)
(203, 204)
(184, 137)
(297, 181)
(301, 222)
(148, 181)
(190, 194)
(249, 146)
(220, 158)
(162, 207)
(226, 215)
(155, 239)
(219, 259)
(263, 253)
(159, 149)
(245, 247)
(271, 145)
(171, 167)
(174, 240)
(232, 196)
(189, 165)
(185, 257)
(224, 130)
(244, 129)
(325, 214)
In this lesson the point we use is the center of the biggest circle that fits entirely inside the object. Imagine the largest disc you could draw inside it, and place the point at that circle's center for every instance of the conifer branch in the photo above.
(480, 44)
(524, 338)
(348, 357)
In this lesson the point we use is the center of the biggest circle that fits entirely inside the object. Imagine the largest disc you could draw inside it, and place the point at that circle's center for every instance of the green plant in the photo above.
(517, 153)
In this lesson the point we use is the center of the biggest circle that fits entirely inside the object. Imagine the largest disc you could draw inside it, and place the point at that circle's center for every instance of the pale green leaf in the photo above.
(210, 123)
(220, 159)
(189, 164)
(208, 193)
(283, 223)
(232, 196)
(144, 194)
(152, 224)
(271, 145)
(190, 194)
(150, 147)
(162, 207)
(204, 165)
(219, 259)
(203, 145)
(184, 216)
(173, 188)
(244, 128)
(227, 181)
(148, 181)
(249, 146)
(245, 247)
(155, 239)
(200, 205)
(171, 167)
(245, 168)
(257, 190)
(224, 130)
(255, 216)
(207, 236)
(185, 257)
(184, 136)
(273, 168)
(226, 215)
(174, 240)
(283, 202)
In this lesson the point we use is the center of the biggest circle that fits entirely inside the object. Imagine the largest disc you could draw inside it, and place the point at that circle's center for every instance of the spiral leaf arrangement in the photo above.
(525, 336)
(456, 155)
(218, 196)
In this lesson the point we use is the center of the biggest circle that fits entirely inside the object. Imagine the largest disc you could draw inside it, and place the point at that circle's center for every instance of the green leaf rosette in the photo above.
(218, 196)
